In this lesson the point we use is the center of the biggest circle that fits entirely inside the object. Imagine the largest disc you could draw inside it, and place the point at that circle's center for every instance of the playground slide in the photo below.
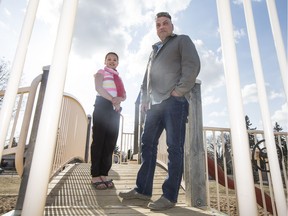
(230, 182)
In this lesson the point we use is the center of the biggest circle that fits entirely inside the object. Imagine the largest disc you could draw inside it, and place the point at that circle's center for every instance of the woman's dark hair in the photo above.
(113, 53)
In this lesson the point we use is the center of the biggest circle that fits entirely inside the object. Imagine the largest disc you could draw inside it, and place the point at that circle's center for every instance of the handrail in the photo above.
(73, 120)
(20, 148)
(25, 126)
(72, 143)
(71, 137)
(214, 140)
(219, 163)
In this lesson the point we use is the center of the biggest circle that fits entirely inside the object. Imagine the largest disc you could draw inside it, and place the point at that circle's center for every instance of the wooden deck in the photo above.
(70, 193)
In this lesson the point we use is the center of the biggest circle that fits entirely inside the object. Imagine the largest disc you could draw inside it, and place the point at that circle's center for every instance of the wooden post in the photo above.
(194, 162)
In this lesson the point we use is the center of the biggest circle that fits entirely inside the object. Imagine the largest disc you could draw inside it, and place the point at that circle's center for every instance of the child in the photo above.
(106, 118)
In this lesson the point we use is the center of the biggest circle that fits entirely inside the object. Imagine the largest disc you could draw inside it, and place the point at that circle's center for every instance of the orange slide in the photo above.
(221, 180)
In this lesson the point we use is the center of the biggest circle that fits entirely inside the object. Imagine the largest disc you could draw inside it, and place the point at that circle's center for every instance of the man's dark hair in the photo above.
(163, 14)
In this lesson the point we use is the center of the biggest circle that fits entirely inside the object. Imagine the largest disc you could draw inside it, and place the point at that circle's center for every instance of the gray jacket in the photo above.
(174, 67)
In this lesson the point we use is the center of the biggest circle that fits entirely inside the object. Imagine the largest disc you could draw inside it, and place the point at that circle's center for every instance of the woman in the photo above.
(106, 118)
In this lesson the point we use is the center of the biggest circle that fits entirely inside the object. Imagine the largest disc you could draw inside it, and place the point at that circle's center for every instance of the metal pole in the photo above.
(263, 102)
(280, 50)
(16, 71)
(36, 192)
(30, 150)
(87, 149)
(243, 168)
(136, 125)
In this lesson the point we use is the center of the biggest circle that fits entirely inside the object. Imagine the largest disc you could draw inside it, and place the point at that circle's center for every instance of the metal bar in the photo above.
(19, 163)
(265, 113)
(225, 171)
(16, 71)
(216, 168)
(37, 187)
(278, 41)
(241, 152)
(88, 139)
(29, 153)
(16, 118)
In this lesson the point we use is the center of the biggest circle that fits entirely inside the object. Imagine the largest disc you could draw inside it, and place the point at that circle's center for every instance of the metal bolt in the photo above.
(198, 202)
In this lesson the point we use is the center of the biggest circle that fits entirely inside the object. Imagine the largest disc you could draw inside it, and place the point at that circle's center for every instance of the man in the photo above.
(170, 75)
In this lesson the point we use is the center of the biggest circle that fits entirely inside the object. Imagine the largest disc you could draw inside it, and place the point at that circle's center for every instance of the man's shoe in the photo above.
(133, 194)
(161, 204)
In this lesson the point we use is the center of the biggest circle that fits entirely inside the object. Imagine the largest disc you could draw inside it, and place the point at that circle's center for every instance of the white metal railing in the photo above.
(220, 169)
(36, 190)
(126, 146)
(220, 175)
(217, 141)
(45, 142)
(20, 123)
(71, 141)
(246, 200)
(71, 134)
(16, 71)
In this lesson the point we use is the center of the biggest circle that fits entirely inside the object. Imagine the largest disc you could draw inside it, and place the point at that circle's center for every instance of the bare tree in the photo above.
(4, 74)
(281, 142)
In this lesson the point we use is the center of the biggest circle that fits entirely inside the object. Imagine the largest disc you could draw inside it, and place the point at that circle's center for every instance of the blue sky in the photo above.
(127, 27)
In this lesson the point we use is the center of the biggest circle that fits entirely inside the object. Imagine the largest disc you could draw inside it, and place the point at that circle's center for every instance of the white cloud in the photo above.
(238, 34)
(7, 12)
(106, 26)
(281, 116)
(218, 114)
(49, 12)
(206, 101)
(249, 93)
(275, 95)
(128, 28)
(214, 123)
(238, 2)
(99, 27)
(3, 25)
(211, 73)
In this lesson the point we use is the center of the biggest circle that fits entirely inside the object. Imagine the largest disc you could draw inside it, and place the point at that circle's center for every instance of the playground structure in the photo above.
(47, 130)
(73, 145)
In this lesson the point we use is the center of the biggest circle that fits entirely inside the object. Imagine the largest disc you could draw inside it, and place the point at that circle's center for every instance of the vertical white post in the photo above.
(280, 50)
(16, 71)
(36, 192)
(241, 153)
(263, 102)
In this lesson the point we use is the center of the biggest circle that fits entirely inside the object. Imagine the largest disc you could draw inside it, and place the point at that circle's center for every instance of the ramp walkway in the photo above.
(70, 193)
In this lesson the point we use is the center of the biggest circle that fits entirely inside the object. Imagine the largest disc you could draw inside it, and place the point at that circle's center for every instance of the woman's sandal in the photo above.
(100, 185)
(109, 184)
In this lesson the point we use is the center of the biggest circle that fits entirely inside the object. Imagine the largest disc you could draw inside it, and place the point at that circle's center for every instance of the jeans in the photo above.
(170, 115)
